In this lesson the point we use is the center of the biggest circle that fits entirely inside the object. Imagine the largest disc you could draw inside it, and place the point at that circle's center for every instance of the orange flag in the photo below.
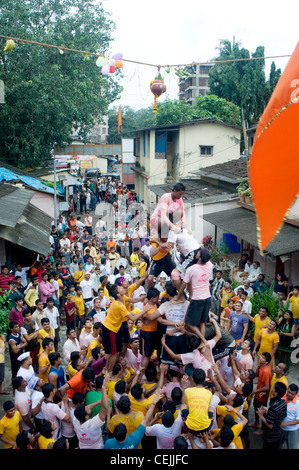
(274, 162)
(119, 122)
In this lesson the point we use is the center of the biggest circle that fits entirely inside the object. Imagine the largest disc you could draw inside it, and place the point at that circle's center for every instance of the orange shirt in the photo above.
(148, 324)
(110, 243)
(161, 253)
(77, 384)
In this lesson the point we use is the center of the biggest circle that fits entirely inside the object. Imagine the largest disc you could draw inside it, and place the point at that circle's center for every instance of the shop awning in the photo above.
(242, 223)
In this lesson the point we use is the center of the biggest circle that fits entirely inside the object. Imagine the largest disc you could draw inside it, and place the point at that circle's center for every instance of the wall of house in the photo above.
(44, 202)
(201, 228)
(225, 141)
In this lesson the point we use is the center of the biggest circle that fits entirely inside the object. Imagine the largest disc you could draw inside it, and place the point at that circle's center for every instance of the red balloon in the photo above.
(112, 68)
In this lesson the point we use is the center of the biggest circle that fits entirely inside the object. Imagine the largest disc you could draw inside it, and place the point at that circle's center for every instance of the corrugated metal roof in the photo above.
(242, 223)
(21, 222)
(8, 175)
(13, 201)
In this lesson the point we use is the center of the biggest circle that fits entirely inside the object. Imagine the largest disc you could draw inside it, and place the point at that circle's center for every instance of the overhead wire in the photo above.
(95, 54)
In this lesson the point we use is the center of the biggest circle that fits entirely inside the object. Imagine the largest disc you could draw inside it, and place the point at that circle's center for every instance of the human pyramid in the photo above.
(149, 362)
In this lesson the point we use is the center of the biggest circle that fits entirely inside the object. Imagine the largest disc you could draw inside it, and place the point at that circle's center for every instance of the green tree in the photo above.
(131, 121)
(172, 111)
(49, 93)
(211, 106)
(242, 82)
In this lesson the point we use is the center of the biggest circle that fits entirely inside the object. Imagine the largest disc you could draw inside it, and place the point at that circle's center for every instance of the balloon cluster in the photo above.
(110, 64)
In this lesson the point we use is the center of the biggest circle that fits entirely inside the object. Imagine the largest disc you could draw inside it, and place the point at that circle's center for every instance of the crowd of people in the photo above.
(128, 337)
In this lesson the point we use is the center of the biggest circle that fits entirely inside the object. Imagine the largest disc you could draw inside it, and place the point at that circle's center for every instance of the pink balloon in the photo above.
(106, 69)
(117, 56)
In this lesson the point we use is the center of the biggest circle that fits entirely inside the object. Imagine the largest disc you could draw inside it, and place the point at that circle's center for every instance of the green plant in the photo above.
(5, 308)
(266, 299)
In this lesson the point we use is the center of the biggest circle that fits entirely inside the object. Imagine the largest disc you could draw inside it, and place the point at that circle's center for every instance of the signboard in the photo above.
(86, 164)
(62, 160)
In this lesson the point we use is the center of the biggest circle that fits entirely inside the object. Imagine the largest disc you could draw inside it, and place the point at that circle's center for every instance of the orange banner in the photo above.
(274, 162)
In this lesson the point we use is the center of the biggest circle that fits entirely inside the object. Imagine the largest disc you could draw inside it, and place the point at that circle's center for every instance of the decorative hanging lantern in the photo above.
(157, 87)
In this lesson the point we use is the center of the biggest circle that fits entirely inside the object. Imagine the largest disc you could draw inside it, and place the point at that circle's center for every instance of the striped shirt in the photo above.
(276, 414)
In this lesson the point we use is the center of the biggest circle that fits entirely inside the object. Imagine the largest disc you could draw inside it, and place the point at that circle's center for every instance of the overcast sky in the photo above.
(168, 32)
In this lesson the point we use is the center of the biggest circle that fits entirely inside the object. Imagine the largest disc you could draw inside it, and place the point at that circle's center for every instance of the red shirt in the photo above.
(4, 280)
(70, 311)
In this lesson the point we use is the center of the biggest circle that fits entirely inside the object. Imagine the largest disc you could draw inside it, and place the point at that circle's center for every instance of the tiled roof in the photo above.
(230, 171)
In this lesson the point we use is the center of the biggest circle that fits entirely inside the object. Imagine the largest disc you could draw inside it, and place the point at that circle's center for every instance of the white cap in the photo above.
(23, 356)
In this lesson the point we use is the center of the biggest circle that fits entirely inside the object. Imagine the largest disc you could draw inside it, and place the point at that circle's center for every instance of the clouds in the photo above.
(174, 32)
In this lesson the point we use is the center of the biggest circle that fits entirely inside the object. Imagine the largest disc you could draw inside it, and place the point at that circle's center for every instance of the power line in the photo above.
(94, 54)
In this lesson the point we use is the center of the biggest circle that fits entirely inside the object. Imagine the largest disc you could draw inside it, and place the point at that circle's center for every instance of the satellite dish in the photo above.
(122, 262)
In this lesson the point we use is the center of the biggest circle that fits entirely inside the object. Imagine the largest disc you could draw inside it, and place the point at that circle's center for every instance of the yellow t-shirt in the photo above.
(110, 388)
(60, 286)
(10, 428)
(131, 420)
(225, 296)
(141, 405)
(237, 429)
(93, 344)
(282, 379)
(295, 306)
(116, 315)
(43, 360)
(134, 259)
(80, 303)
(43, 442)
(79, 275)
(258, 325)
(44, 334)
(2, 350)
(71, 371)
(142, 269)
(267, 341)
(198, 401)
(131, 289)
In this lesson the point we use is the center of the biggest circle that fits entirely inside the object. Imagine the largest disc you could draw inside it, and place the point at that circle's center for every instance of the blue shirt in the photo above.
(132, 441)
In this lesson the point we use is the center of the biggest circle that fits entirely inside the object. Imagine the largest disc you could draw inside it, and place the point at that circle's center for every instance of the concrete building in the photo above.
(169, 153)
(197, 84)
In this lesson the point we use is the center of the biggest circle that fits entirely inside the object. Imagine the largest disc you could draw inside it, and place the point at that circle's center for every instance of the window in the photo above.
(206, 150)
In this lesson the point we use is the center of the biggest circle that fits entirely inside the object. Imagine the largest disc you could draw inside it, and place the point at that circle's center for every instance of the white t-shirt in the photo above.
(53, 413)
(29, 376)
(53, 316)
(165, 436)
(67, 428)
(23, 405)
(68, 347)
(65, 244)
(87, 288)
(132, 360)
(185, 242)
(146, 250)
(35, 400)
(197, 359)
(174, 312)
(100, 316)
(85, 338)
(23, 275)
(89, 433)
(199, 276)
